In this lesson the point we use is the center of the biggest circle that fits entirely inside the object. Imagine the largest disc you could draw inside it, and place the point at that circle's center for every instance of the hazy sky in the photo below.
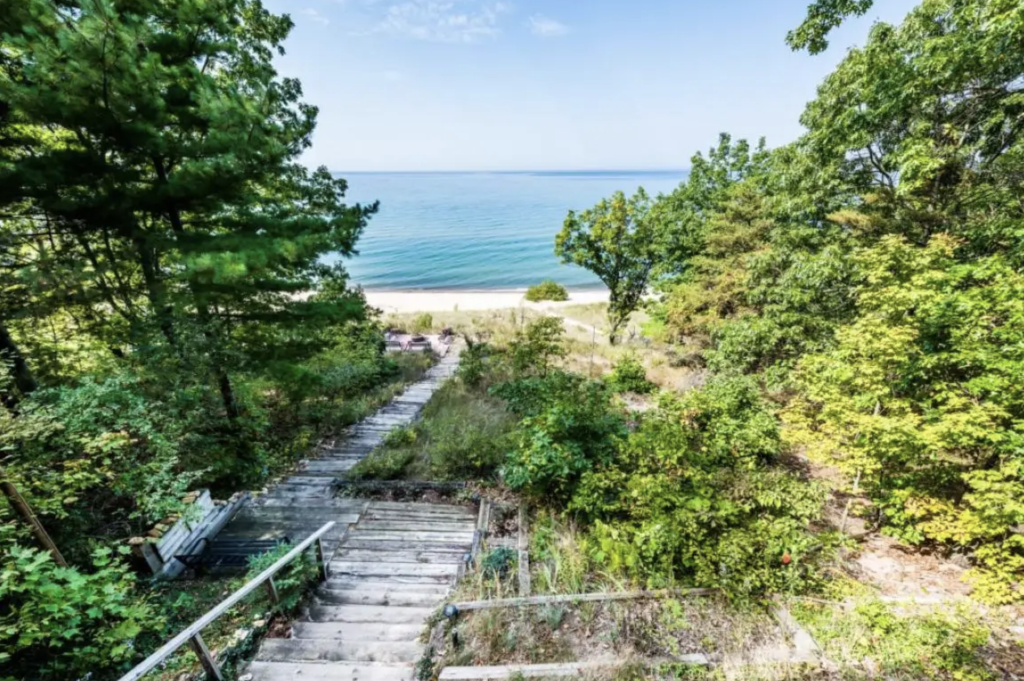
(550, 84)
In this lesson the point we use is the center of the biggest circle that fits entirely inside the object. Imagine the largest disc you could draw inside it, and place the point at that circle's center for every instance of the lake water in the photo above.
(478, 230)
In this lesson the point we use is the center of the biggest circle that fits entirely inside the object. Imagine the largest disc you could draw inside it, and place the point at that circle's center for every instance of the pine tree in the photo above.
(156, 140)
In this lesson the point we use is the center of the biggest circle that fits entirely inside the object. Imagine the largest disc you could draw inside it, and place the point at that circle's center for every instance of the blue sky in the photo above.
(550, 84)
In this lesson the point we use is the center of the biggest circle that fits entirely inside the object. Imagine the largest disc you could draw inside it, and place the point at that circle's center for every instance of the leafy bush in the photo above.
(679, 500)
(467, 433)
(292, 581)
(473, 363)
(947, 644)
(921, 399)
(630, 376)
(498, 562)
(533, 349)
(423, 323)
(547, 290)
(62, 623)
(384, 463)
(568, 429)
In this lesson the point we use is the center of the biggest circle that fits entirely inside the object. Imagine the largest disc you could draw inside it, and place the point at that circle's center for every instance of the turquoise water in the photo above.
(478, 230)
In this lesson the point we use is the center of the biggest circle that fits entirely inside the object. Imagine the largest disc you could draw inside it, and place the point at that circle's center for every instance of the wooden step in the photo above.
(379, 597)
(357, 631)
(342, 583)
(379, 614)
(416, 506)
(338, 581)
(392, 556)
(397, 535)
(355, 541)
(341, 567)
(373, 525)
(325, 650)
(337, 671)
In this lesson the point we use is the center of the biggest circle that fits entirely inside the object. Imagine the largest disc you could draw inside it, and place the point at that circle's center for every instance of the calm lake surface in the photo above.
(478, 230)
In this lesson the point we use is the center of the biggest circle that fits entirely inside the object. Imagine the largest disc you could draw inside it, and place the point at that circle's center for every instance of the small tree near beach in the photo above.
(617, 241)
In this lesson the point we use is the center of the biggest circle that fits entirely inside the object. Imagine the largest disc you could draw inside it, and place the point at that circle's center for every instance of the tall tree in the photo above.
(171, 169)
(618, 241)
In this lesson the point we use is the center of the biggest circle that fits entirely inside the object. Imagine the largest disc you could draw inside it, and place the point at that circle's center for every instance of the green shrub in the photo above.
(688, 496)
(568, 431)
(498, 562)
(547, 290)
(423, 323)
(473, 363)
(63, 623)
(534, 348)
(292, 581)
(630, 376)
(383, 463)
(467, 433)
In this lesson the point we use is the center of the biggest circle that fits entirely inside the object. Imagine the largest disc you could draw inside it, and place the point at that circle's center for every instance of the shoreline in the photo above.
(449, 300)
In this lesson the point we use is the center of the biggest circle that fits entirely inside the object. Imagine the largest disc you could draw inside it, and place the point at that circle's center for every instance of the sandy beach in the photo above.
(398, 302)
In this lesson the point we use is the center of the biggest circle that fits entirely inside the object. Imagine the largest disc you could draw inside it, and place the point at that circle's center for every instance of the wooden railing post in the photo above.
(275, 598)
(191, 633)
(321, 564)
(205, 658)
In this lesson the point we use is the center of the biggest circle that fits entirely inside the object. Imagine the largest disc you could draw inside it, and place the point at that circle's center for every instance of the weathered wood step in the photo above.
(392, 556)
(354, 541)
(334, 503)
(378, 614)
(397, 535)
(378, 597)
(325, 650)
(375, 525)
(337, 671)
(414, 505)
(341, 567)
(358, 631)
(343, 583)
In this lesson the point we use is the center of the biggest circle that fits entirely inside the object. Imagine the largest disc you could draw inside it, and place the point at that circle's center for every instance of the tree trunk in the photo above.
(24, 381)
(227, 393)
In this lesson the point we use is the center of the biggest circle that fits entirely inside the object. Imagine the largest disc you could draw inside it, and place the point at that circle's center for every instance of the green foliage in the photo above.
(940, 645)
(497, 563)
(473, 363)
(463, 434)
(687, 495)
(630, 376)
(822, 17)
(63, 623)
(423, 323)
(567, 429)
(547, 290)
(387, 463)
(533, 349)
(619, 241)
(292, 581)
(927, 376)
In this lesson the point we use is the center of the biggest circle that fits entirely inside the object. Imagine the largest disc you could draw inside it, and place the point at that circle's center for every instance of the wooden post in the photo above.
(524, 551)
(26, 512)
(275, 598)
(321, 563)
(205, 658)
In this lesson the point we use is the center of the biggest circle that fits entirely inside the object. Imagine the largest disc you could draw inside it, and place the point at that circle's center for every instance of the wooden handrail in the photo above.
(191, 633)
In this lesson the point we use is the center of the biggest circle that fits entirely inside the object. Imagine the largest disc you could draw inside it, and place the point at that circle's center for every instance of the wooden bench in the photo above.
(229, 555)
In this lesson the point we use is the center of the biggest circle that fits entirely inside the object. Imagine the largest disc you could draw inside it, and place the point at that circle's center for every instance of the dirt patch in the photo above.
(902, 571)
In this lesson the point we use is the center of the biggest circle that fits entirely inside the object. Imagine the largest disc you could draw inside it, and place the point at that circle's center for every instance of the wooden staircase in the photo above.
(301, 503)
(392, 570)
(390, 564)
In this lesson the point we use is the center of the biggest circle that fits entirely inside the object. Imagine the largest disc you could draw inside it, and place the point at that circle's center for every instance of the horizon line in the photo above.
(511, 172)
